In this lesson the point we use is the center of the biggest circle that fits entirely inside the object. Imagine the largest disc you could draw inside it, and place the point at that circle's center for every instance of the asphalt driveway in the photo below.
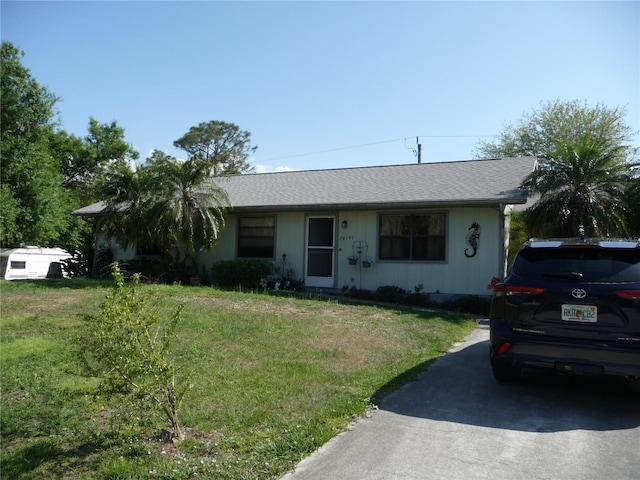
(456, 422)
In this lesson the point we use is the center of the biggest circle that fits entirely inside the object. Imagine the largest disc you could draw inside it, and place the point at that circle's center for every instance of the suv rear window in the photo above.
(585, 264)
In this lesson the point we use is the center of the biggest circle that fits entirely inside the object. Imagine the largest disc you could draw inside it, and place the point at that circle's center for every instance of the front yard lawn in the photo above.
(273, 379)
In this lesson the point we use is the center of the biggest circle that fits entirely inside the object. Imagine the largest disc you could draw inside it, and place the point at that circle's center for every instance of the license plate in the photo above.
(580, 313)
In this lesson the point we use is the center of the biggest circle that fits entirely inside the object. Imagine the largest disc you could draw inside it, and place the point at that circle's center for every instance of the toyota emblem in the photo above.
(578, 293)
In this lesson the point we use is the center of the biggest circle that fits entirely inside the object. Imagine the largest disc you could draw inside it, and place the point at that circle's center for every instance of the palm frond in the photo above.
(581, 183)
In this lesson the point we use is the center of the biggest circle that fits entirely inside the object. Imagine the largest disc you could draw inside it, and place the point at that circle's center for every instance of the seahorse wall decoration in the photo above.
(473, 238)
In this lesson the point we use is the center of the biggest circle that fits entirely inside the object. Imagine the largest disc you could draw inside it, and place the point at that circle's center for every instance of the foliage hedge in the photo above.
(472, 304)
(240, 273)
(251, 274)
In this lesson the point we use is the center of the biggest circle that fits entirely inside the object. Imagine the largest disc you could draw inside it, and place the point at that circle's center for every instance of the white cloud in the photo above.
(268, 169)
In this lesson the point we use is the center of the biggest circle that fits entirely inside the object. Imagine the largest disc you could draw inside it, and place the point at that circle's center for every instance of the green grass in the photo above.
(274, 378)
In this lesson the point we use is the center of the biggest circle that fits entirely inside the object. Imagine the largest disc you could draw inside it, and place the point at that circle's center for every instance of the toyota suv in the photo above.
(571, 305)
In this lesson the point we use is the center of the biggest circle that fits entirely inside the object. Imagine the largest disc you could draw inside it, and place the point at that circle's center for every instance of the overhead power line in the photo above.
(351, 147)
(331, 150)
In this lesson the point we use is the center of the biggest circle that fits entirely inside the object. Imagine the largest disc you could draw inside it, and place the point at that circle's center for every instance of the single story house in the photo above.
(443, 226)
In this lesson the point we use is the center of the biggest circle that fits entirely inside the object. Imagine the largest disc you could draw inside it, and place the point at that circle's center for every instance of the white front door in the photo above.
(319, 252)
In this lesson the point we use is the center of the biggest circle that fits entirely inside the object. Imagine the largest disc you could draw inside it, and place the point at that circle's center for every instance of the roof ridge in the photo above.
(399, 165)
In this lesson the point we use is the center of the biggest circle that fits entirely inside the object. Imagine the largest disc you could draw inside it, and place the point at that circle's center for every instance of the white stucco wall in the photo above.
(290, 228)
(457, 275)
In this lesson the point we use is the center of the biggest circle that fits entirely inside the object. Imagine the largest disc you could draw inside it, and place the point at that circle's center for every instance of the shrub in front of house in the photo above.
(417, 299)
(390, 294)
(471, 304)
(154, 268)
(360, 294)
(468, 304)
(240, 273)
(277, 283)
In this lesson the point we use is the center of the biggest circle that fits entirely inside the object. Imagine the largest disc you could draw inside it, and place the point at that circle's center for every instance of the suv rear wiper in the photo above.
(567, 275)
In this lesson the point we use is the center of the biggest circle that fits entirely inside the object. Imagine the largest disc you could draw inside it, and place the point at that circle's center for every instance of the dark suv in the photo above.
(572, 305)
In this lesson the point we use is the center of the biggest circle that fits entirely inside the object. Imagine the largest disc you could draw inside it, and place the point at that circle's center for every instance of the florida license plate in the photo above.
(580, 313)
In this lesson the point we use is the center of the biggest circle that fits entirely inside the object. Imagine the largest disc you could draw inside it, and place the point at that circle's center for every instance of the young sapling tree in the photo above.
(128, 344)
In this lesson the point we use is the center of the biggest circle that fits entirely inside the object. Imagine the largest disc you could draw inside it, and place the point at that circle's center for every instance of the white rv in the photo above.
(28, 263)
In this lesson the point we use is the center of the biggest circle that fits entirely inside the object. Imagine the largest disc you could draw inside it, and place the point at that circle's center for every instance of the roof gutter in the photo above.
(97, 208)
(379, 206)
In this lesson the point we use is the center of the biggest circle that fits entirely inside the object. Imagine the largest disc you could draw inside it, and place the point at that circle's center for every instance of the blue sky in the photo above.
(327, 84)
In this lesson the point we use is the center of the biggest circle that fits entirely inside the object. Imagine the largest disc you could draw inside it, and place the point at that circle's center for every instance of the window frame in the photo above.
(239, 236)
(411, 236)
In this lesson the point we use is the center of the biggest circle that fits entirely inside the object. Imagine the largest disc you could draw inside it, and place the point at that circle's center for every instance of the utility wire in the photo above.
(330, 150)
(368, 145)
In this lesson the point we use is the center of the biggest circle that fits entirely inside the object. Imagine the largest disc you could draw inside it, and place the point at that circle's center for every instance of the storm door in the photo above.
(320, 252)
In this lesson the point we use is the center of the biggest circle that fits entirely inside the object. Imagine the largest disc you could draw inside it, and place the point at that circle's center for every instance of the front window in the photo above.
(418, 237)
(256, 237)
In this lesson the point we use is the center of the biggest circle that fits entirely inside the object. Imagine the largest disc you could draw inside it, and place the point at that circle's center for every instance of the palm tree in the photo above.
(580, 185)
(166, 204)
(633, 199)
(186, 207)
(127, 192)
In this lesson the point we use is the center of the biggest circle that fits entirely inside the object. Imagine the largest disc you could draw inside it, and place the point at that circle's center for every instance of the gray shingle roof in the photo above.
(462, 183)
(470, 182)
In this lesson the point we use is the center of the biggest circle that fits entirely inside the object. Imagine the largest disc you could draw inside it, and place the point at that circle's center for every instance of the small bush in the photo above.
(151, 267)
(276, 282)
(390, 294)
(418, 299)
(104, 260)
(243, 273)
(469, 304)
(360, 294)
(78, 265)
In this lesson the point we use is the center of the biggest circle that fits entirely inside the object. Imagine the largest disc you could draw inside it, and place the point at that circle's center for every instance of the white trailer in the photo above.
(29, 263)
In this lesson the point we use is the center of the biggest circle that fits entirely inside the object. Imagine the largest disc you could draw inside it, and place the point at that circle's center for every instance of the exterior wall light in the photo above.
(344, 224)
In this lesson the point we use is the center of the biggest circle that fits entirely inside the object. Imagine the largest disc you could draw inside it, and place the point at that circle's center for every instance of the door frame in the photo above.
(315, 281)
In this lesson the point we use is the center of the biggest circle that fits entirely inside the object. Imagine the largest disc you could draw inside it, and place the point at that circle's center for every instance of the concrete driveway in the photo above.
(456, 422)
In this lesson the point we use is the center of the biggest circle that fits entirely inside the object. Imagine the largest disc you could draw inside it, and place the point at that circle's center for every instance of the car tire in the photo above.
(505, 373)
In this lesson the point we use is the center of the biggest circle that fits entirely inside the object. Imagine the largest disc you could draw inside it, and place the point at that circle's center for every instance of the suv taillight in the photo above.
(502, 289)
(630, 294)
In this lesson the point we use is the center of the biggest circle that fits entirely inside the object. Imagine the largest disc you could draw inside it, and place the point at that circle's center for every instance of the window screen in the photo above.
(256, 237)
(412, 237)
